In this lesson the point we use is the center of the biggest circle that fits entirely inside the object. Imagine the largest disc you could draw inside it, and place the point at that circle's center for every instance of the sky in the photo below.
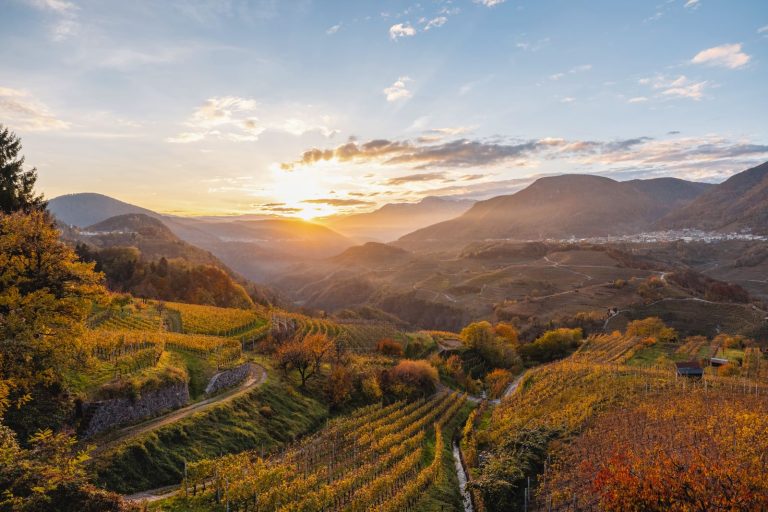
(309, 108)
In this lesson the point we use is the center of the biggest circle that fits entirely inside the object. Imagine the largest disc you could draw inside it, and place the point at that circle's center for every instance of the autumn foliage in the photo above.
(410, 379)
(679, 452)
(390, 347)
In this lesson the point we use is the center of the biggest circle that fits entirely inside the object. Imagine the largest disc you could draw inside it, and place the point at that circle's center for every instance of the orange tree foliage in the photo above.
(496, 345)
(304, 355)
(410, 379)
(390, 347)
(697, 451)
(651, 327)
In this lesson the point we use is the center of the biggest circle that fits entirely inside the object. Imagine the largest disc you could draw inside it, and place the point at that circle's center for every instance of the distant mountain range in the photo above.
(254, 247)
(566, 206)
(392, 221)
(557, 207)
(740, 202)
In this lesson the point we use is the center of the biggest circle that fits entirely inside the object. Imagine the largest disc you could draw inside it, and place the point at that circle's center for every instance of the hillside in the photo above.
(371, 254)
(148, 234)
(562, 207)
(740, 202)
(392, 221)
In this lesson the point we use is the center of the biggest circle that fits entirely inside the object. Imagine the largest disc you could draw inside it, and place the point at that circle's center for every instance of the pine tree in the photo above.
(16, 184)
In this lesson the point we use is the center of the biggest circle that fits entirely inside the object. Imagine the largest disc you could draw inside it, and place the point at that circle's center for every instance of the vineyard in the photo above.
(130, 351)
(608, 348)
(140, 319)
(212, 320)
(378, 458)
(558, 400)
(673, 451)
(363, 336)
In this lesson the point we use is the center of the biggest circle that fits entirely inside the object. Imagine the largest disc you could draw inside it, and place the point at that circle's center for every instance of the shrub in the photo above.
(410, 379)
(552, 345)
(651, 327)
(390, 347)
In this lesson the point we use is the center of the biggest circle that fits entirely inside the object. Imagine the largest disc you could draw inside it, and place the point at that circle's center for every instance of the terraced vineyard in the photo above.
(378, 458)
(110, 345)
(607, 348)
(364, 336)
(143, 319)
(212, 320)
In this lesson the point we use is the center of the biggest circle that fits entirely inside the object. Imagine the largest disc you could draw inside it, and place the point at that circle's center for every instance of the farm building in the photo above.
(717, 361)
(689, 369)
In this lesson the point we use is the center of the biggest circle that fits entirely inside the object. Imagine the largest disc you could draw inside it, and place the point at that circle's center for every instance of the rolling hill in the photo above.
(565, 206)
(740, 202)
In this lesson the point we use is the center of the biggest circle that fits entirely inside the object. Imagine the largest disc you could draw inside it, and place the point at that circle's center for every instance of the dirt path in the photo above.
(257, 377)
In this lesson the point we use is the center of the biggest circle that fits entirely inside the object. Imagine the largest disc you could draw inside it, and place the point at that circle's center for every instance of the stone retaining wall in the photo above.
(107, 414)
(228, 379)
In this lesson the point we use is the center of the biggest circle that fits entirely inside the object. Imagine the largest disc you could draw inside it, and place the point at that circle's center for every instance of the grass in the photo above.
(444, 494)
(200, 371)
(660, 351)
(266, 418)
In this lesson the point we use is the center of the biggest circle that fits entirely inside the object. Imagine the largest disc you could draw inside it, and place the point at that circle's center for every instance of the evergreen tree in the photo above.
(16, 184)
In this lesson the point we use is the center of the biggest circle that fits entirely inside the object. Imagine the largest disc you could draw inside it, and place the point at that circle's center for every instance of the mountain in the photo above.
(740, 202)
(394, 220)
(565, 206)
(89, 208)
(251, 245)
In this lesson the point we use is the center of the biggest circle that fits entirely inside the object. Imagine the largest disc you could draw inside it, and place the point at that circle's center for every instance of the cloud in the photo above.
(680, 87)
(458, 153)
(576, 69)
(449, 130)
(726, 55)
(489, 3)
(401, 30)
(60, 6)
(67, 24)
(567, 99)
(333, 29)
(534, 46)
(332, 201)
(692, 4)
(637, 99)
(20, 110)
(276, 208)
(411, 178)
(763, 30)
(398, 90)
(435, 22)
(243, 120)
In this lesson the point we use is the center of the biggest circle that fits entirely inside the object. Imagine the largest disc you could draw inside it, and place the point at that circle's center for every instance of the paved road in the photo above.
(256, 378)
